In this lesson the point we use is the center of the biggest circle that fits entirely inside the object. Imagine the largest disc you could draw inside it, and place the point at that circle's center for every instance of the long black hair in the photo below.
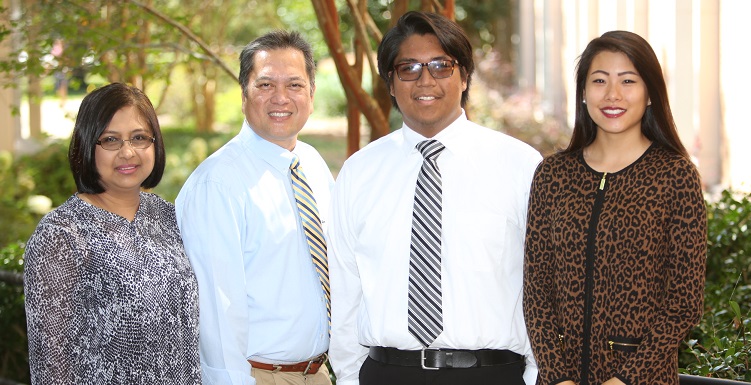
(657, 124)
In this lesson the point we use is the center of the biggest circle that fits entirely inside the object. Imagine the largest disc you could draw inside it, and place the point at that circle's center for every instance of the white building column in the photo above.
(554, 90)
(735, 85)
(712, 150)
(526, 63)
(683, 81)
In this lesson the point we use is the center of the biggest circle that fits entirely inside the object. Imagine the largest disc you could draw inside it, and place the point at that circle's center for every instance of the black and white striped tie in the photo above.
(425, 315)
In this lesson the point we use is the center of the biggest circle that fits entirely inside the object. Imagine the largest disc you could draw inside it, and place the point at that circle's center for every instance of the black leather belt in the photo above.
(444, 358)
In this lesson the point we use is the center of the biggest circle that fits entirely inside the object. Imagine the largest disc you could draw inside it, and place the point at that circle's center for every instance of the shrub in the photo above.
(14, 345)
(185, 150)
(17, 219)
(720, 346)
(50, 172)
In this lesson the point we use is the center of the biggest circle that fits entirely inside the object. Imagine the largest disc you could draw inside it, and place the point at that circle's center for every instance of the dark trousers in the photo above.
(376, 373)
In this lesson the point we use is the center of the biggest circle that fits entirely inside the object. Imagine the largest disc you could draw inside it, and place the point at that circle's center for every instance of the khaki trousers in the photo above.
(267, 377)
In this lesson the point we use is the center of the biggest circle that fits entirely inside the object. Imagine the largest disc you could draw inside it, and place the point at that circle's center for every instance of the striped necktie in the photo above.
(425, 316)
(311, 222)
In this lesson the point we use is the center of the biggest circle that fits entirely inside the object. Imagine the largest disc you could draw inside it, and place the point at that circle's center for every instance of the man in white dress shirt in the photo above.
(263, 307)
(483, 178)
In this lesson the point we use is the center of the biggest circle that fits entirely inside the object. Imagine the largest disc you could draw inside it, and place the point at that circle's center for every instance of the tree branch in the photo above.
(362, 31)
(328, 19)
(187, 32)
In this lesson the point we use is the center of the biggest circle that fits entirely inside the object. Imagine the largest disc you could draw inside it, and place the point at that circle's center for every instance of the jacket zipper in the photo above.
(611, 343)
(589, 277)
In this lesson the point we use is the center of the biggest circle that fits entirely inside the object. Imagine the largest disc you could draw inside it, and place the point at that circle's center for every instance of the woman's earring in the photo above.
(584, 101)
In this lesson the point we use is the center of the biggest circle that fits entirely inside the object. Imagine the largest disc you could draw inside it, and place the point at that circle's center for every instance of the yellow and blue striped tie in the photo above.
(308, 210)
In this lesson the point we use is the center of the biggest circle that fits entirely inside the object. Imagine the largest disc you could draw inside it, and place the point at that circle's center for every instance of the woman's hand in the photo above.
(613, 381)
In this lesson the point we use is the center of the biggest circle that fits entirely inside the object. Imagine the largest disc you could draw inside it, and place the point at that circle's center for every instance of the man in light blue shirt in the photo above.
(263, 305)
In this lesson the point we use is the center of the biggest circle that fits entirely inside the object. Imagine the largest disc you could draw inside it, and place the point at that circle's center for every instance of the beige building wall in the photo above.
(699, 45)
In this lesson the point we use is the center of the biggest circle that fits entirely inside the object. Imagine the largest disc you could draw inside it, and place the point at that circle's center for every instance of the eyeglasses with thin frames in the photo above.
(439, 69)
(140, 142)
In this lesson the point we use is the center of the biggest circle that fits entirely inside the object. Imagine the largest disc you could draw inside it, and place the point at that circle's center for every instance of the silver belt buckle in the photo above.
(320, 359)
(422, 359)
(307, 368)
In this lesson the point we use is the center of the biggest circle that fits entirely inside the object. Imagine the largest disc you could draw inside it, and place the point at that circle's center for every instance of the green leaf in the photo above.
(736, 308)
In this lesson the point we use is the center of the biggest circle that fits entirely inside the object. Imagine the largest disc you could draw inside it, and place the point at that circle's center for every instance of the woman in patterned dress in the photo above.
(616, 235)
(111, 297)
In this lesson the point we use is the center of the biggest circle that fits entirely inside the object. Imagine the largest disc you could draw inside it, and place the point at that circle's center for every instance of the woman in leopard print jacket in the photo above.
(616, 235)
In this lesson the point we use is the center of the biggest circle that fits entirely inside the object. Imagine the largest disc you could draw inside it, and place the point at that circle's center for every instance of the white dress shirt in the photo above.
(260, 297)
(486, 177)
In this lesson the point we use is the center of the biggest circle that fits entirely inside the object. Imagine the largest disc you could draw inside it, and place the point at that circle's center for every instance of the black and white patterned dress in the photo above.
(110, 301)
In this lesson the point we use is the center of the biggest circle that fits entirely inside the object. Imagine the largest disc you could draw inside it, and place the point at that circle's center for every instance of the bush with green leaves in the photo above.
(49, 170)
(20, 207)
(185, 150)
(720, 346)
(14, 362)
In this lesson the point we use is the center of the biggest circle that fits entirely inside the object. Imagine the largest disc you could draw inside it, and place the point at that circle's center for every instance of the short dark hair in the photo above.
(94, 115)
(451, 36)
(657, 124)
(278, 39)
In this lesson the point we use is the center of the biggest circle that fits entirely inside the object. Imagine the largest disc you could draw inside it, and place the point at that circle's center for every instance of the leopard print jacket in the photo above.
(110, 301)
(614, 268)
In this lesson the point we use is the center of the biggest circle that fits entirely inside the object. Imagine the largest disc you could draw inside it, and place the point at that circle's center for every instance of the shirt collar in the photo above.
(450, 137)
(276, 156)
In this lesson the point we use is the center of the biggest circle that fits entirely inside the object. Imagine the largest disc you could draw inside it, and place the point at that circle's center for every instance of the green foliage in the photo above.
(720, 346)
(492, 21)
(125, 41)
(333, 149)
(33, 184)
(729, 242)
(14, 345)
(329, 98)
(185, 150)
(87, 30)
(300, 16)
(17, 220)
(49, 170)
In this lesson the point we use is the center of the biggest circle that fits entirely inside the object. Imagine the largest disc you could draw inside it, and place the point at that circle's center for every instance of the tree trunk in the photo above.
(8, 98)
(35, 107)
(357, 97)
(34, 82)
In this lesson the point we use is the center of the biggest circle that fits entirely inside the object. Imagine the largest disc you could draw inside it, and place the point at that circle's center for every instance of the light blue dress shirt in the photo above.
(259, 295)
